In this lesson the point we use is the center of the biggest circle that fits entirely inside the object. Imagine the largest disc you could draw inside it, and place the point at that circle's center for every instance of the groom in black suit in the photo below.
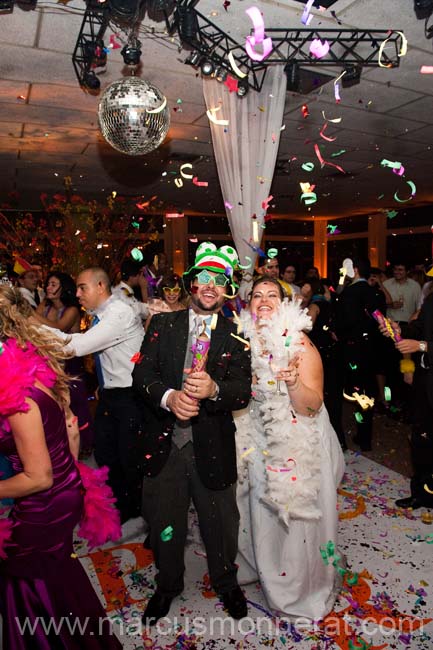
(190, 451)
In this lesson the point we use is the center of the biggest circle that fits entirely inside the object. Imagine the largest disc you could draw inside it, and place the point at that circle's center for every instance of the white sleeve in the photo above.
(112, 329)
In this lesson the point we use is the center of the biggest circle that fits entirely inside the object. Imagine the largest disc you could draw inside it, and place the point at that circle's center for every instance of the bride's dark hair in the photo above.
(274, 281)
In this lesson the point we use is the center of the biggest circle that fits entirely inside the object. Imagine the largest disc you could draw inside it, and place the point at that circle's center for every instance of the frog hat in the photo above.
(210, 258)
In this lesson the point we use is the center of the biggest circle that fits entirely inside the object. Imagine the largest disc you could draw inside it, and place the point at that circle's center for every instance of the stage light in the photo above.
(220, 74)
(6, 6)
(188, 23)
(242, 88)
(293, 76)
(124, 9)
(207, 68)
(193, 59)
(90, 81)
(423, 8)
(352, 76)
(131, 52)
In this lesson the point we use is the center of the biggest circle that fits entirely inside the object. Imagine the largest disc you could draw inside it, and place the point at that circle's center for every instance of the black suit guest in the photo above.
(357, 330)
(418, 340)
(191, 435)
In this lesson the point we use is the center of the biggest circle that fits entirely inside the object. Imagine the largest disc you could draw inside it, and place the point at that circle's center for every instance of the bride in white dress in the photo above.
(290, 462)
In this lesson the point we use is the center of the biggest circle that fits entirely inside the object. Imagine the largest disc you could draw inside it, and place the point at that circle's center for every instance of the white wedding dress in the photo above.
(289, 468)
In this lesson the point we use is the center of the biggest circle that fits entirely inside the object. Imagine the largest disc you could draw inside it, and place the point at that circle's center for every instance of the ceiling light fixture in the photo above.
(293, 76)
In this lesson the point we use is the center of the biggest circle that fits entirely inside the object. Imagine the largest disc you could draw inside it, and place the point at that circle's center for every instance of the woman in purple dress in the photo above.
(46, 599)
(61, 309)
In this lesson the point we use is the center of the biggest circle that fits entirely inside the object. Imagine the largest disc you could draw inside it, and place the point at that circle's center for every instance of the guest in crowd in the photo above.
(28, 285)
(190, 434)
(356, 330)
(322, 334)
(114, 339)
(42, 582)
(418, 341)
(289, 276)
(132, 278)
(405, 298)
(234, 305)
(290, 462)
(172, 291)
(61, 309)
(270, 267)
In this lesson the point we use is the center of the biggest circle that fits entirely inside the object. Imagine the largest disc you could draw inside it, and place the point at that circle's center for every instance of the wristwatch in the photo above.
(422, 346)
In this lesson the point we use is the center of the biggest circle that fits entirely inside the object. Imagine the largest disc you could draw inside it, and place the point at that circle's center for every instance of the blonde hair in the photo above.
(15, 313)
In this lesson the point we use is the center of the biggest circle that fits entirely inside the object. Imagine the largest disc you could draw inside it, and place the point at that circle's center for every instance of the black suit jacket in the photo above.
(161, 367)
(421, 329)
(353, 312)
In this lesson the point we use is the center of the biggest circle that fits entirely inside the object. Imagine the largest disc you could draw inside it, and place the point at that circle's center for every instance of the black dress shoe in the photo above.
(157, 607)
(410, 502)
(235, 603)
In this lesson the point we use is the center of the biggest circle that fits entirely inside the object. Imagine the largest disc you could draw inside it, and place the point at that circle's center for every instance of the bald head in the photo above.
(93, 287)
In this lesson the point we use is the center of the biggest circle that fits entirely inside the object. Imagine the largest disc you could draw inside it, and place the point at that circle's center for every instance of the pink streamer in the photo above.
(258, 36)
(306, 17)
(319, 49)
(325, 162)
(399, 171)
(199, 183)
(324, 136)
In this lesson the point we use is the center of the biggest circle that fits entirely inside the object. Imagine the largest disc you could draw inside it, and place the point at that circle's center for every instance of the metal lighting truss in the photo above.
(360, 47)
(92, 31)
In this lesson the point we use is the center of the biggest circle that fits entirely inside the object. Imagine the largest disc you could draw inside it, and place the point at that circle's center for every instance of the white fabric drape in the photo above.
(246, 151)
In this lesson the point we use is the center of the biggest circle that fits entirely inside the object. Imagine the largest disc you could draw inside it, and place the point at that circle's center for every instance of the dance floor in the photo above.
(386, 600)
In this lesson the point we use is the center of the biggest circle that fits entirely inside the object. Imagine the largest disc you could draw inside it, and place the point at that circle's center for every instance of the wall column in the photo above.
(377, 239)
(176, 243)
(321, 247)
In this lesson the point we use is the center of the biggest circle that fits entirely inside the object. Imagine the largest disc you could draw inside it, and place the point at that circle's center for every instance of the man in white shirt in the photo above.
(405, 294)
(115, 338)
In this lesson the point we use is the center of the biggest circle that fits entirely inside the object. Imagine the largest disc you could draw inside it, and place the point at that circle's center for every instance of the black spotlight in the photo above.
(193, 59)
(220, 74)
(131, 53)
(122, 9)
(95, 53)
(352, 76)
(207, 68)
(423, 8)
(293, 76)
(187, 24)
(91, 81)
(243, 88)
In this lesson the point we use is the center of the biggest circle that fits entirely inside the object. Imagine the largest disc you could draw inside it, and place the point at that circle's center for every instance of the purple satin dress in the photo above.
(40, 581)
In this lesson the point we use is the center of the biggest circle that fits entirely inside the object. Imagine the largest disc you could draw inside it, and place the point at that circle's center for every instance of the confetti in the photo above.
(258, 37)
(167, 534)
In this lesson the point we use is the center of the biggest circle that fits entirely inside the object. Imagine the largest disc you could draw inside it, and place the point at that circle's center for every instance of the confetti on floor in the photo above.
(390, 605)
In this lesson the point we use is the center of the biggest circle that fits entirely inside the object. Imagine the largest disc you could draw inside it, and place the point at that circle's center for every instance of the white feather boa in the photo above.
(286, 444)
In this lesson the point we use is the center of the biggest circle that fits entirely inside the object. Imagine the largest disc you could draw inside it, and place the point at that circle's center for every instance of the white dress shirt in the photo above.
(409, 292)
(124, 292)
(117, 337)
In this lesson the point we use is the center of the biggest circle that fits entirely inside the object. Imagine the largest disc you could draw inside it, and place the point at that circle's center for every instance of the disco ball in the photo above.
(126, 116)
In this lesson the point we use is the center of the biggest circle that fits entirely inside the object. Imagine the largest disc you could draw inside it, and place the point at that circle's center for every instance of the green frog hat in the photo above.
(210, 258)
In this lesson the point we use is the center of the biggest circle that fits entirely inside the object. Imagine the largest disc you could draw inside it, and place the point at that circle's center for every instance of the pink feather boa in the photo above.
(101, 520)
(20, 368)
